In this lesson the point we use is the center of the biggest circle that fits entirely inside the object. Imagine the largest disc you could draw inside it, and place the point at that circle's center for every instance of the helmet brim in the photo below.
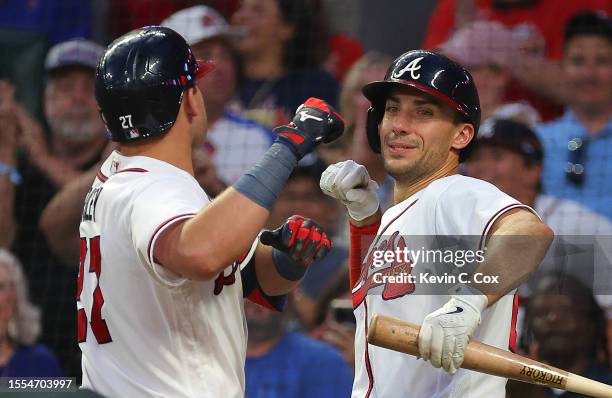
(204, 67)
(378, 92)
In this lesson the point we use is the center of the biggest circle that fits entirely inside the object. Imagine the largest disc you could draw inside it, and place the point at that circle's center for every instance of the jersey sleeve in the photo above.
(157, 206)
(471, 207)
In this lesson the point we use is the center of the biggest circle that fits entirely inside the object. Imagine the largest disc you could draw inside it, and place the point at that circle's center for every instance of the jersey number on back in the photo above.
(98, 325)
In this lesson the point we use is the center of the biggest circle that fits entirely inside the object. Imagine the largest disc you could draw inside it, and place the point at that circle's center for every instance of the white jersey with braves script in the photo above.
(145, 331)
(457, 206)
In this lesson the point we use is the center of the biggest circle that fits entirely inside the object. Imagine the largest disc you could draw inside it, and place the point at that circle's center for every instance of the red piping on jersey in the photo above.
(515, 307)
(367, 355)
(160, 226)
(494, 217)
(134, 169)
(101, 176)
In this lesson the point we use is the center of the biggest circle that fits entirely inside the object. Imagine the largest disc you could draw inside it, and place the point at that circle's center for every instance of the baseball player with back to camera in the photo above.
(160, 289)
(422, 120)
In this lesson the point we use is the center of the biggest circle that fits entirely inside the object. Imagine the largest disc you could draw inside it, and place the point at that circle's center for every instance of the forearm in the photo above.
(7, 203)
(218, 235)
(59, 221)
(270, 281)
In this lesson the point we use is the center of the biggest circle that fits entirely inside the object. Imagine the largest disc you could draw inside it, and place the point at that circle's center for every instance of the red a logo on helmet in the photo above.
(411, 67)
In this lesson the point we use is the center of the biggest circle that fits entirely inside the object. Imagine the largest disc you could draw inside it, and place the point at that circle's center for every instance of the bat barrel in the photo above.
(398, 335)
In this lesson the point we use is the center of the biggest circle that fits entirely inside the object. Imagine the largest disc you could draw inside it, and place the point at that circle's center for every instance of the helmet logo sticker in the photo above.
(412, 66)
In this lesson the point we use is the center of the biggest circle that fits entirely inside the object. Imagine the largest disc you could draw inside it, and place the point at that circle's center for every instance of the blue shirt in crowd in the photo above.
(60, 20)
(32, 361)
(298, 367)
(596, 189)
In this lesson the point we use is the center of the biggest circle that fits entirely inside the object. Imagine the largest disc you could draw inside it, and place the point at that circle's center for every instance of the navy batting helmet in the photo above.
(433, 74)
(140, 82)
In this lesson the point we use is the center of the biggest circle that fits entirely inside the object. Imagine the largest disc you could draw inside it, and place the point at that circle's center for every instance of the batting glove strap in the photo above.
(350, 183)
(314, 122)
(445, 333)
(297, 243)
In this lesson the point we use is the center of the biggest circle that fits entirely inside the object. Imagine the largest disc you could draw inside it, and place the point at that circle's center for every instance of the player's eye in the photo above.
(424, 112)
(391, 108)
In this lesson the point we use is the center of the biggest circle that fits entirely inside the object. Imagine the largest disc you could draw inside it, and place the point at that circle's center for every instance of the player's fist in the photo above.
(315, 121)
(445, 333)
(350, 183)
(300, 238)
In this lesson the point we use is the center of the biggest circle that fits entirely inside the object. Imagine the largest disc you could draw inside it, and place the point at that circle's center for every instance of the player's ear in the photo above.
(191, 101)
(464, 134)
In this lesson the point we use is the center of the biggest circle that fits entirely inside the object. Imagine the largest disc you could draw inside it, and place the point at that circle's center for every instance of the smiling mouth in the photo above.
(398, 147)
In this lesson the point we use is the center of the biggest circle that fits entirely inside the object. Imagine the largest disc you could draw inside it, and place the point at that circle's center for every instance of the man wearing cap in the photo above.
(234, 142)
(38, 164)
(423, 117)
(578, 165)
(509, 155)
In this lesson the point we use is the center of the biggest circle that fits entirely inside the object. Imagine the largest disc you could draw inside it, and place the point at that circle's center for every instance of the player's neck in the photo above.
(405, 189)
(167, 148)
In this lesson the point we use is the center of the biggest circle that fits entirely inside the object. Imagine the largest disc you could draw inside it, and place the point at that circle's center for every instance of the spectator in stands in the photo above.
(486, 49)
(334, 320)
(538, 25)
(234, 142)
(509, 155)
(344, 51)
(354, 106)
(20, 356)
(569, 332)
(354, 142)
(302, 195)
(289, 364)
(282, 55)
(45, 164)
(578, 146)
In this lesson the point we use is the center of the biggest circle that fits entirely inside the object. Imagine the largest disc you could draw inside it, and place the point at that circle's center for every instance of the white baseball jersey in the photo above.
(145, 331)
(455, 205)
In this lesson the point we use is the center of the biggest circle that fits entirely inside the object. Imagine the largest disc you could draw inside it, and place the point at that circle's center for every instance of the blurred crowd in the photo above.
(544, 76)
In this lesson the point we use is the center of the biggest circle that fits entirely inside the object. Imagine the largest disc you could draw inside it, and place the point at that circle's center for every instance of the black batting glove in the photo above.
(315, 121)
(303, 240)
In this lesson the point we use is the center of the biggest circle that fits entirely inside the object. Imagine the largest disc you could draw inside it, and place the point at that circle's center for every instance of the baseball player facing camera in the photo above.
(163, 270)
(423, 119)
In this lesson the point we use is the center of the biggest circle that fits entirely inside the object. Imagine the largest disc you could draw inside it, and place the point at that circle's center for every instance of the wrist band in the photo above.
(11, 172)
(263, 183)
(286, 267)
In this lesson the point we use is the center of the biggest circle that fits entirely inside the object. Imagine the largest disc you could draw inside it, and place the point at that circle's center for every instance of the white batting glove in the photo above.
(350, 183)
(445, 332)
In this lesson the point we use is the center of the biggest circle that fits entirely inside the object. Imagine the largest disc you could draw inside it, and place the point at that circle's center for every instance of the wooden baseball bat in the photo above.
(395, 334)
